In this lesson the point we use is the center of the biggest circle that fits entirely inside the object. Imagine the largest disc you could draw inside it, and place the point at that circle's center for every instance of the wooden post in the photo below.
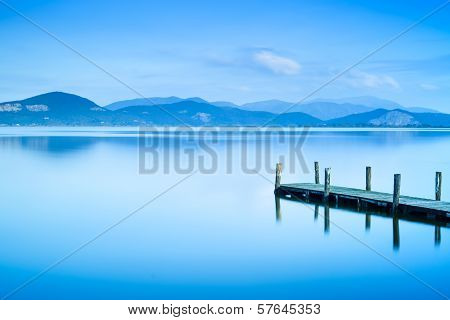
(326, 191)
(438, 186)
(278, 175)
(316, 172)
(396, 195)
(368, 178)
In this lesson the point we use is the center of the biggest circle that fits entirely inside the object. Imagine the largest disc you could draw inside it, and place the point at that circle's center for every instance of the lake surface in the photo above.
(80, 218)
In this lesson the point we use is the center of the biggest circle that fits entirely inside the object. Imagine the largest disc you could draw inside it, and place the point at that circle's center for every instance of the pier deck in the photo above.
(362, 198)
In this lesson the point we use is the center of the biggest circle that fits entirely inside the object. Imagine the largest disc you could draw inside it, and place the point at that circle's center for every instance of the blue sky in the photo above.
(238, 51)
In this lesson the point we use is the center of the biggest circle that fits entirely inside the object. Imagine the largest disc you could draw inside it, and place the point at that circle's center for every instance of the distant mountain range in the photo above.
(326, 109)
(320, 110)
(150, 102)
(323, 109)
(58, 108)
(368, 101)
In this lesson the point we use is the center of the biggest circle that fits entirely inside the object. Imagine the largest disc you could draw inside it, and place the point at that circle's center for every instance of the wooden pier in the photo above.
(365, 199)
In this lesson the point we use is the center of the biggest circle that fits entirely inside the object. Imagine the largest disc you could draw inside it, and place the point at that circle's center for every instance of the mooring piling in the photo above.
(326, 190)
(316, 172)
(396, 194)
(438, 186)
(368, 178)
(279, 168)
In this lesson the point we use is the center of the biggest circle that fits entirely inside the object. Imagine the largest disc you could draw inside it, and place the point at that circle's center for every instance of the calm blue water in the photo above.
(216, 235)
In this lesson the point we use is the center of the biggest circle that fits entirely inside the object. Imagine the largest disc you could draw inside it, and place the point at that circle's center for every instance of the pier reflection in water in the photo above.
(325, 215)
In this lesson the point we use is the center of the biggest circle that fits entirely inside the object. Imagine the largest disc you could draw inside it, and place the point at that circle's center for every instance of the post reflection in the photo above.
(316, 212)
(277, 209)
(326, 219)
(368, 221)
(396, 231)
(437, 235)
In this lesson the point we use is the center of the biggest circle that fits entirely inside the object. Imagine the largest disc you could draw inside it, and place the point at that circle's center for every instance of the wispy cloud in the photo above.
(429, 87)
(244, 88)
(438, 65)
(276, 63)
(371, 80)
(255, 59)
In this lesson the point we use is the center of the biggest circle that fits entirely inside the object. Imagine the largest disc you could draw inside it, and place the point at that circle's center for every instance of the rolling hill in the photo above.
(392, 118)
(54, 108)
